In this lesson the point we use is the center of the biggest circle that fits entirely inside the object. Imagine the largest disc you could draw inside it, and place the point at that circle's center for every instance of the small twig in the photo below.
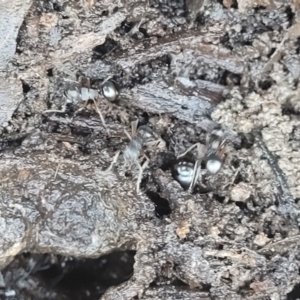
(157, 143)
(127, 134)
(276, 55)
(188, 150)
(62, 110)
(115, 159)
(286, 201)
(100, 115)
(134, 125)
(234, 177)
(56, 171)
(70, 80)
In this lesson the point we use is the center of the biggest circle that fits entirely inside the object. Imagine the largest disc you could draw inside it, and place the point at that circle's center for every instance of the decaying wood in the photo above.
(10, 97)
(12, 14)
(174, 45)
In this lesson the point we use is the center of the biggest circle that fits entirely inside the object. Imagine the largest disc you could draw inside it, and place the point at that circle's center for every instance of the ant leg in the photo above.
(115, 159)
(189, 150)
(100, 115)
(159, 143)
(207, 139)
(197, 167)
(62, 110)
(133, 130)
(142, 168)
(134, 125)
(82, 107)
(196, 174)
(223, 142)
(128, 134)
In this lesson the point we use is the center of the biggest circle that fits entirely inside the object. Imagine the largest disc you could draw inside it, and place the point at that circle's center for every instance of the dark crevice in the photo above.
(144, 32)
(220, 247)
(241, 205)
(179, 283)
(84, 132)
(245, 289)
(288, 110)
(54, 127)
(238, 179)
(125, 27)
(50, 72)
(143, 119)
(295, 293)
(201, 19)
(206, 287)
(57, 7)
(166, 59)
(219, 198)
(20, 37)
(234, 4)
(225, 41)
(297, 44)
(106, 48)
(15, 143)
(271, 235)
(265, 84)
(85, 149)
(247, 140)
(105, 13)
(290, 15)
(259, 8)
(168, 160)
(162, 206)
(235, 163)
(11, 142)
(271, 52)
(72, 278)
(199, 189)
(26, 87)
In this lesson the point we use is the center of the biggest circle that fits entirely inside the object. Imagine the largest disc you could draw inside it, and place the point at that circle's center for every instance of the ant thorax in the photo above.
(133, 150)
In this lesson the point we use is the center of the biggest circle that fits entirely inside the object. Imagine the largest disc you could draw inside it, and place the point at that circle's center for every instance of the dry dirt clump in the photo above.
(73, 224)
(274, 112)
